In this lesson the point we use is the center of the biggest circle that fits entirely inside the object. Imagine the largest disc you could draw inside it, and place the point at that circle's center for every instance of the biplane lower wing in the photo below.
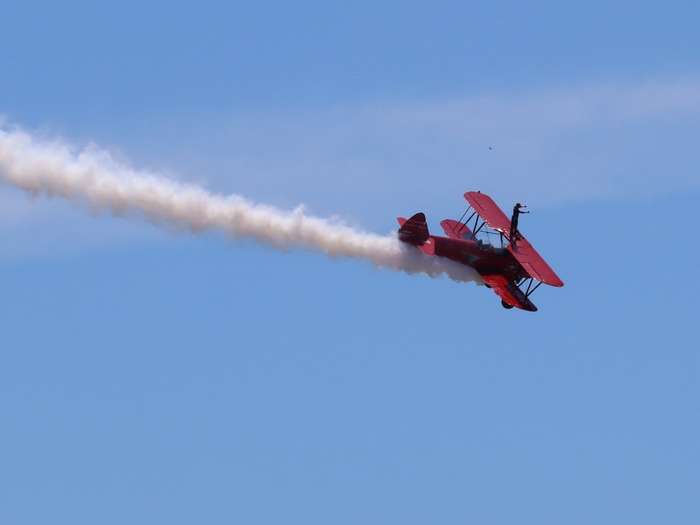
(509, 292)
(522, 250)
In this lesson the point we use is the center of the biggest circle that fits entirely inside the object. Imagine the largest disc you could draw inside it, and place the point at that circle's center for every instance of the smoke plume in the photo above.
(92, 176)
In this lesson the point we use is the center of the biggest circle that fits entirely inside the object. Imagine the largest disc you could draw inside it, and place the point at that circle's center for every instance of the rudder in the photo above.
(414, 230)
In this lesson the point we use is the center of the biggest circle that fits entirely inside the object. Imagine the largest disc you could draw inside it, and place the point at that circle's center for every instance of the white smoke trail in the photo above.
(94, 177)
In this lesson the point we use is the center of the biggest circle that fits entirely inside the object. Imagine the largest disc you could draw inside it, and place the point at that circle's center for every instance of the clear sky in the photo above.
(152, 378)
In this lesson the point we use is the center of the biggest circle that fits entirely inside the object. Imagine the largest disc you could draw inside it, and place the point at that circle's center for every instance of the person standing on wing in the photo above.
(514, 233)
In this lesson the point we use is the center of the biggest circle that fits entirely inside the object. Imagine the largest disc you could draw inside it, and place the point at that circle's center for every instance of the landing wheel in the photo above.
(506, 305)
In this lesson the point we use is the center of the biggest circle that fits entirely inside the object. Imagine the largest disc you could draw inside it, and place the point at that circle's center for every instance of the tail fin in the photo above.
(414, 230)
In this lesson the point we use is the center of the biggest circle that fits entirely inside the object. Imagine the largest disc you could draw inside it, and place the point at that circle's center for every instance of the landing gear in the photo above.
(506, 305)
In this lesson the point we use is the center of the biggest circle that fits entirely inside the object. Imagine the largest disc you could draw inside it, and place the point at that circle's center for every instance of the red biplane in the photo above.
(510, 269)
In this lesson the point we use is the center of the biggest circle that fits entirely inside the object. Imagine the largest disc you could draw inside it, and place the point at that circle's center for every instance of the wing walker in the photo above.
(510, 269)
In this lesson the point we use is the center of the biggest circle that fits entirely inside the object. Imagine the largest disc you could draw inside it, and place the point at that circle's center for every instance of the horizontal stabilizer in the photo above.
(414, 230)
(457, 230)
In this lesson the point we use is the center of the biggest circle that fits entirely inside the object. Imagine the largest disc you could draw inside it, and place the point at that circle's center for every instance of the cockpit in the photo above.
(488, 240)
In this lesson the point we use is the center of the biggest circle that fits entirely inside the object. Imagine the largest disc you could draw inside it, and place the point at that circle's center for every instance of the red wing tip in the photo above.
(556, 282)
(549, 281)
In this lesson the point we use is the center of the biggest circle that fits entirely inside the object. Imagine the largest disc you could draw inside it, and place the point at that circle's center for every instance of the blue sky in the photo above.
(157, 378)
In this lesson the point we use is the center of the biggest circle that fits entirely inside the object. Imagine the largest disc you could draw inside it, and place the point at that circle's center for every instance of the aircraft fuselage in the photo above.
(484, 258)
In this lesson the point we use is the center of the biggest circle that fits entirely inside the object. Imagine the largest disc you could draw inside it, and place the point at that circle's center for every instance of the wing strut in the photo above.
(463, 224)
(529, 292)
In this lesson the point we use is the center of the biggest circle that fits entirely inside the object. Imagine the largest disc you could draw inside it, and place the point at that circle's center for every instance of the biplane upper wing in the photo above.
(489, 212)
(509, 292)
(456, 230)
(526, 255)
(533, 263)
